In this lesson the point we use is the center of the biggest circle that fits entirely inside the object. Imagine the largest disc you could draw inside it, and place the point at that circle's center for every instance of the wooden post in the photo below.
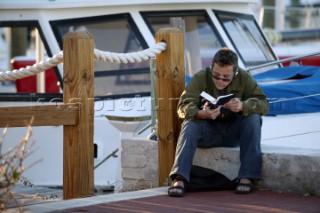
(170, 83)
(78, 149)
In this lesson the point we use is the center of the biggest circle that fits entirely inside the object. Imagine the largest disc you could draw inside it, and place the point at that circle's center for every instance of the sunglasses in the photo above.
(222, 79)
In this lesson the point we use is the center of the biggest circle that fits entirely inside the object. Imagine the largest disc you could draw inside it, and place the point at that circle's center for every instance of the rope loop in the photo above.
(99, 55)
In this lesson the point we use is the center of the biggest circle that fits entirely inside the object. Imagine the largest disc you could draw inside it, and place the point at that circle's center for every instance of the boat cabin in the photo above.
(125, 27)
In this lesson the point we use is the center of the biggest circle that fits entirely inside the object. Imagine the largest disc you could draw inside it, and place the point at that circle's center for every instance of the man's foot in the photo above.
(177, 188)
(244, 186)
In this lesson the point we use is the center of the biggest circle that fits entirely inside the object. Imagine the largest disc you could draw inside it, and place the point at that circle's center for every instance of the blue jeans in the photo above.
(240, 131)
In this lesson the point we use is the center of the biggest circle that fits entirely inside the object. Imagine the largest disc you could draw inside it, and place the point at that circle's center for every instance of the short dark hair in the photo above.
(225, 56)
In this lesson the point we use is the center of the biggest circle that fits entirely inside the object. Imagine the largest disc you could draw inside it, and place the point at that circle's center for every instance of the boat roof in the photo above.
(54, 4)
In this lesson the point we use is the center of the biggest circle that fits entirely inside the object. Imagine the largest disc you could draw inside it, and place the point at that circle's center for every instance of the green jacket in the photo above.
(242, 85)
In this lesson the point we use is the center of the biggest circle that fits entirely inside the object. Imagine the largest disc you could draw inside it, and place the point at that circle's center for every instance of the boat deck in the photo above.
(156, 200)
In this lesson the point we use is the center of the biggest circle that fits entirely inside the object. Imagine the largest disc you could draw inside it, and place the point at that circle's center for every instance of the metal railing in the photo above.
(282, 61)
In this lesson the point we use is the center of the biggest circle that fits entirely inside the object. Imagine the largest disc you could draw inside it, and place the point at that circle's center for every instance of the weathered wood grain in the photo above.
(170, 82)
(78, 147)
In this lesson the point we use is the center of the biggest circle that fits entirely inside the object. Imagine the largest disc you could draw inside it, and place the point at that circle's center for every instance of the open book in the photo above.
(215, 102)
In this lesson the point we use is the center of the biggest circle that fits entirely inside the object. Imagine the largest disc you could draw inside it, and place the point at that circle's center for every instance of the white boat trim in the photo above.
(60, 4)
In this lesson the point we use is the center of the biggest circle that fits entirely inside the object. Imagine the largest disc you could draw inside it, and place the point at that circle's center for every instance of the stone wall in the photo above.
(284, 169)
(139, 164)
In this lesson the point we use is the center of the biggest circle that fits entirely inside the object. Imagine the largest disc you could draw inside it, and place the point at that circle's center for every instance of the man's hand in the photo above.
(235, 105)
(207, 113)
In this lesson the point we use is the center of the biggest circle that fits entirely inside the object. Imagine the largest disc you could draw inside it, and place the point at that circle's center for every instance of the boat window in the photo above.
(201, 37)
(247, 38)
(20, 43)
(114, 33)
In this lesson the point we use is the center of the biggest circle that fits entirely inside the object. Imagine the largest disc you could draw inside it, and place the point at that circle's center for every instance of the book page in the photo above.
(219, 101)
(224, 99)
(208, 97)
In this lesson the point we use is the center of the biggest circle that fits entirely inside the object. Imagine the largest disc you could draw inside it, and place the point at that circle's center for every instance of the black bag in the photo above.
(204, 179)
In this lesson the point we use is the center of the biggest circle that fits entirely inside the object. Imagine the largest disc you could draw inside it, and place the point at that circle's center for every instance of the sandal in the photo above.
(244, 188)
(177, 191)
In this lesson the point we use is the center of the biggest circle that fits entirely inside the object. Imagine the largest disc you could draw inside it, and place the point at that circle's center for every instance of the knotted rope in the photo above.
(99, 55)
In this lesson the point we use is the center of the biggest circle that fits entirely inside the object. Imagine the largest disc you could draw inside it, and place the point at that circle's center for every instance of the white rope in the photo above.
(294, 98)
(129, 57)
(98, 55)
(31, 70)
(293, 135)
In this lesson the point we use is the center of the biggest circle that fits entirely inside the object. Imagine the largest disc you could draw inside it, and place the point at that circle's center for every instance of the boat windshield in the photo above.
(202, 39)
(247, 38)
(113, 33)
